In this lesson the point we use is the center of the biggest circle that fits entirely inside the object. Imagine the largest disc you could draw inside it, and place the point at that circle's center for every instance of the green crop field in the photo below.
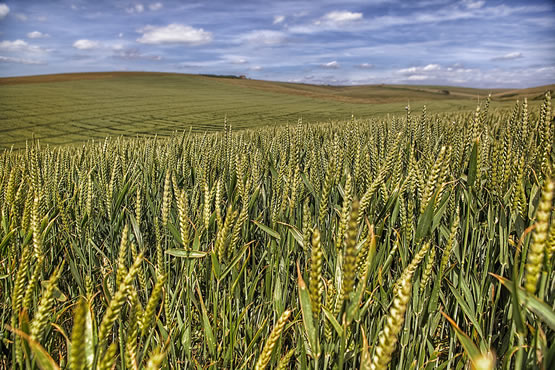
(403, 239)
(72, 108)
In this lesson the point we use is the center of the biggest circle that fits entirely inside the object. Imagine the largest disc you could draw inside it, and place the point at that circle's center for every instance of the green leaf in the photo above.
(470, 348)
(234, 261)
(253, 342)
(517, 313)
(177, 252)
(89, 339)
(136, 231)
(531, 302)
(391, 202)
(27, 239)
(215, 265)
(176, 234)
(209, 334)
(426, 218)
(253, 197)
(333, 321)
(106, 289)
(196, 242)
(356, 297)
(119, 199)
(6, 239)
(267, 230)
(440, 211)
(467, 311)
(434, 296)
(57, 293)
(297, 235)
(306, 309)
(5, 225)
(473, 163)
(48, 227)
(308, 184)
(43, 359)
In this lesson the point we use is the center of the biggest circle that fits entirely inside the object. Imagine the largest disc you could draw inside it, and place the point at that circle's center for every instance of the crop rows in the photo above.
(421, 241)
(69, 112)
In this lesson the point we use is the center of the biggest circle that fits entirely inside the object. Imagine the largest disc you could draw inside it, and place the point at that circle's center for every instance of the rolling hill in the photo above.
(71, 108)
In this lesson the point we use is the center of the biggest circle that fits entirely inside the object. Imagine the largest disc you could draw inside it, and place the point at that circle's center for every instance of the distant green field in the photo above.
(64, 109)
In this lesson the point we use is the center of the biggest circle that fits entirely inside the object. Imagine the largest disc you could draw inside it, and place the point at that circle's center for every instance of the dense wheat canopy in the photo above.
(418, 240)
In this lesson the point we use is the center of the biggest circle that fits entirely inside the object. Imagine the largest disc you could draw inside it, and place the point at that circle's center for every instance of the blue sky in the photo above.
(478, 43)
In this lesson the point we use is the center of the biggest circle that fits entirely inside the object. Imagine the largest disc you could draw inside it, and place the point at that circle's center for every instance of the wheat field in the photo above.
(416, 241)
(68, 109)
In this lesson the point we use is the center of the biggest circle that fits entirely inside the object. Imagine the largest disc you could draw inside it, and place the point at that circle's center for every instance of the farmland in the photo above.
(420, 239)
(72, 108)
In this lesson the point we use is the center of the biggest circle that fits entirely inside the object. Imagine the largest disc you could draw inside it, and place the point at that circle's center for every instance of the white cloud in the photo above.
(408, 70)
(135, 54)
(279, 19)
(264, 37)
(155, 6)
(42, 18)
(346, 21)
(4, 10)
(431, 67)
(256, 68)
(234, 60)
(457, 68)
(365, 66)
(455, 74)
(20, 17)
(120, 35)
(84, 44)
(342, 16)
(417, 77)
(330, 65)
(509, 56)
(335, 20)
(4, 59)
(20, 46)
(472, 4)
(138, 8)
(427, 68)
(37, 35)
(204, 64)
(174, 34)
